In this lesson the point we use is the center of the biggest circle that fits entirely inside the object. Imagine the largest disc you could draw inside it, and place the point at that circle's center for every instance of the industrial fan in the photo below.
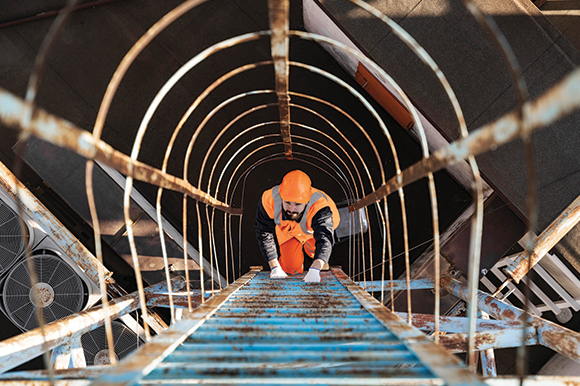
(96, 348)
(11, 244)
(59, 292)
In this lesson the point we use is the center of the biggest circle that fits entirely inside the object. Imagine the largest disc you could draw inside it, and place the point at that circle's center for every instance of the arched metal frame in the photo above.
(27, 129)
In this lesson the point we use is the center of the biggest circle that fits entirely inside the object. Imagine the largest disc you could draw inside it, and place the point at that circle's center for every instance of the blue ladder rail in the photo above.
(285, 331)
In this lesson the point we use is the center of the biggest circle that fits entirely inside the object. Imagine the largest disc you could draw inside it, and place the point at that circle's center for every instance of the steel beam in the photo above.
(484, 340)
(455, 324)
(34, 209)
(551, 335)
(521, 264)
(21, 348)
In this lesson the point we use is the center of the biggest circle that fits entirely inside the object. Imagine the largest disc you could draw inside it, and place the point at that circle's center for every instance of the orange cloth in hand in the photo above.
(291, 255)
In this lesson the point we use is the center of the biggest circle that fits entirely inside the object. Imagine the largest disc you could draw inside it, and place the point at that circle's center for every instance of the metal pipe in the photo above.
(21, 348)
(551, 335)
(545, 241)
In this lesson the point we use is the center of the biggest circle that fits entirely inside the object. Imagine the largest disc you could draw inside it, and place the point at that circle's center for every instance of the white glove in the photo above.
(277, 273)
(313, 276)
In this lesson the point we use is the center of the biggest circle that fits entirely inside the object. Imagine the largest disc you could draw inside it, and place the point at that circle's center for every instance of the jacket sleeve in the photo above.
(322, 226)
(265, 229)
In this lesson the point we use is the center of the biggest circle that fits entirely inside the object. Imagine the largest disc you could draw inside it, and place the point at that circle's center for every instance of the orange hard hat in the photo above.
(296, 187)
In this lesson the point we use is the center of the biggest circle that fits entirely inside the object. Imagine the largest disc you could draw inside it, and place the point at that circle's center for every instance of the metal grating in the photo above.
(290, 332)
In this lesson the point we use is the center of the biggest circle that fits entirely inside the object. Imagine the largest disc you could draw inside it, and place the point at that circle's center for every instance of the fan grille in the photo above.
(96, 348)
(61, 289)
(11, 245)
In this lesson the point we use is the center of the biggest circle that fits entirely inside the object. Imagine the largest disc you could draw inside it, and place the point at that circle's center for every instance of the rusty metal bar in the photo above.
(545, 241)
(457, 324)
(62, 133)
(34, 209)
(435, 357)
(488, 367)
(398, 285)
(484, 340)
(77, 353)
(556, 103)
(551, 335)
(144, 360)
(153, 319)
(179, 299)
(135, 258)
(89, 166)
(21, 348)
(60, 356)
(278, 12)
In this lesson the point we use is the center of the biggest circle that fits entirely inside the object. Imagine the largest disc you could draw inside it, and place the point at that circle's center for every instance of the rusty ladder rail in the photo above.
(282, 331)
(264, 331)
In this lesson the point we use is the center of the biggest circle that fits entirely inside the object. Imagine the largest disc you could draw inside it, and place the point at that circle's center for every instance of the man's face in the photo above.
(293, 209)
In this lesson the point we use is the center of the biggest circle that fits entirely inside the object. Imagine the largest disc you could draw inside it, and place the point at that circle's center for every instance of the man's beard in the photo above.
(293, 215)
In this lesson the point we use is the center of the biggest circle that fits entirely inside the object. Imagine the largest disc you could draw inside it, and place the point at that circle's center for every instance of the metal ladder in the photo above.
(285, 331)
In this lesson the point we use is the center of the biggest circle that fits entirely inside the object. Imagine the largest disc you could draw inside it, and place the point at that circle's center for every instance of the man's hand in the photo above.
(313, 276)
(277, 273)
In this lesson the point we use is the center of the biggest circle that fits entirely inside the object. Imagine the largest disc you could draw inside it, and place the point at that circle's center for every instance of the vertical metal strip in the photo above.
(60, 356)
(89, 166)
(77, 353)
(279, 25)
(488, 367)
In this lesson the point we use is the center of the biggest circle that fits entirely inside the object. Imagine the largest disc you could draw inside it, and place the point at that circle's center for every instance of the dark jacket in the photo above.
(321, 225)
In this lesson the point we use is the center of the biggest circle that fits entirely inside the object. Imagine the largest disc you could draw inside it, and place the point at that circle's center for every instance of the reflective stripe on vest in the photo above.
(278, 208)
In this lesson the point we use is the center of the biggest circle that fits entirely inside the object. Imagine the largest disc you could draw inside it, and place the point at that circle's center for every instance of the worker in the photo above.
(300, 219)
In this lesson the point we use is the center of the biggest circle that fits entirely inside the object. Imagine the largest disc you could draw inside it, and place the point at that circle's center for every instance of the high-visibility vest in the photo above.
(302, 231)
